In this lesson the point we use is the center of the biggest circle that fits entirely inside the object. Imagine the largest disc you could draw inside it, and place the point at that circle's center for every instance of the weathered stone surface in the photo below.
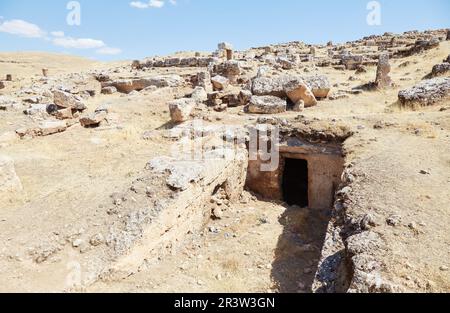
(199, 94)
(351, 62)
(64, 114)
(419, 47)
(181, 109)
(220, 82)
(229, 69)
(2, 85)
(203, 79)
(9, 181)
(178, 62)
(297, 90)
(448, 34)
(244, 97)
(35, 109)
(383, 79)
(138, 84)
(319, 85)
(66, 100)
(109, 90)
(93, 119)
(425, 93)
(440, 69)
(266, 105)
(51, 127)
(271, 86)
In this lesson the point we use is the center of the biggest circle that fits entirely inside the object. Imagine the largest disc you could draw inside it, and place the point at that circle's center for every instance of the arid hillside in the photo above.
(153, 176)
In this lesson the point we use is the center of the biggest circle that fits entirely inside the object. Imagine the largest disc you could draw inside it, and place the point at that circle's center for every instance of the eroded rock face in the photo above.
(426, 92)
(9, 181)
(266, 105)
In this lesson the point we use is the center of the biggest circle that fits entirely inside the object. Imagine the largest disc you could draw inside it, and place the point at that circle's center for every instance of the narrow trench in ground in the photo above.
(305, 181)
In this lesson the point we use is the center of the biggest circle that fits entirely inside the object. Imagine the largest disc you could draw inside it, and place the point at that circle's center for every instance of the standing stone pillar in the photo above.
(229, 54)
(45, 72)
(384, 68)
(9, 78)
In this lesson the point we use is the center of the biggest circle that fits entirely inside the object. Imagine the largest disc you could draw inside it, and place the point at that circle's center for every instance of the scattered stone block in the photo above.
(427, 92)
(220, 82)
(266, 105)
(297, 90)
(181, 109)
(93, 119)
(66, 100)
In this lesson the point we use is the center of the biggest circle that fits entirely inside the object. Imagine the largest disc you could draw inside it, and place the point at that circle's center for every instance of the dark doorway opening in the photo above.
(295, 182)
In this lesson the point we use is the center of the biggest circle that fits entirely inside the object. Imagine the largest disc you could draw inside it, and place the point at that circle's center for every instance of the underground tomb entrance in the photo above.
(308, 175)
(305, 181)
(295, 182)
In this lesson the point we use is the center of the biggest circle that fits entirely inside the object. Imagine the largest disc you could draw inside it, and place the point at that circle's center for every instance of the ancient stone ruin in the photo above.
(286, 167)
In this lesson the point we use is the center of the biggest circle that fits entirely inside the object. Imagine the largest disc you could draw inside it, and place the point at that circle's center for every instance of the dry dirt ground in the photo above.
(259, 246)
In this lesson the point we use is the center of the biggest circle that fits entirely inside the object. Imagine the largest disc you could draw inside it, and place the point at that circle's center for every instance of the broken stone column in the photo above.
(229, 54)
(225, 50)
(383, 79)
(9, 78)
(45, 72)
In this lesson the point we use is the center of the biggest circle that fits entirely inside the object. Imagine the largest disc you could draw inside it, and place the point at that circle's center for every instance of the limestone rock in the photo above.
(66, 100)
(51, 127)
(426, 92)
(266, 105)
(181, 109)
(93, 119)
(297, 90)
(220, 82)
(319, 85)
(109, 90)
(440, 69)
(138, 84)
(199, 94)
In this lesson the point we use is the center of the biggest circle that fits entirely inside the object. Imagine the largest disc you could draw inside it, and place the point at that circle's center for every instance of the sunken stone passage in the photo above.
(307, 174)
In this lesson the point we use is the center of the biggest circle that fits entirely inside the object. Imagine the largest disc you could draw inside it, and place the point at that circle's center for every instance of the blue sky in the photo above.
(129, 29)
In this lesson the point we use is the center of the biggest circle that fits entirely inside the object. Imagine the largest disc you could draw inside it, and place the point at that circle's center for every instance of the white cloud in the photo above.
(151, 4)
(78, 43)
(57, 38)
(21, 28)
(57, 34)
(109, 51)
